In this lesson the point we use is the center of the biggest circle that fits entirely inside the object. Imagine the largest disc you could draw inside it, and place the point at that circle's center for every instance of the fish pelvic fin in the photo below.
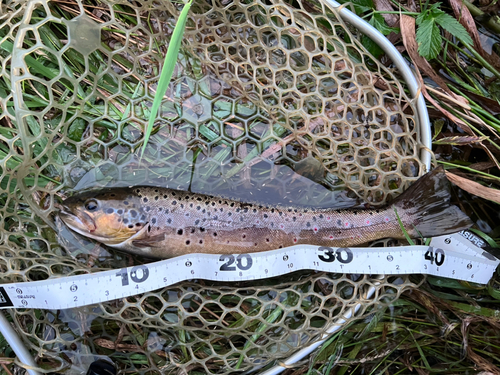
(427, 209)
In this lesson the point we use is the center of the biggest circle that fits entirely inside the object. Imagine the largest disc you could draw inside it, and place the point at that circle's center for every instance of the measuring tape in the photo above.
(454, 256)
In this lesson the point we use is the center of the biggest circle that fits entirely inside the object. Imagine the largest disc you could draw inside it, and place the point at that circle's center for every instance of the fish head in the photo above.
(109, 216)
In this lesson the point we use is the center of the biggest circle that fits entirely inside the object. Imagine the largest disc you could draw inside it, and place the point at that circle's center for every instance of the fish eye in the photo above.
(91, 205)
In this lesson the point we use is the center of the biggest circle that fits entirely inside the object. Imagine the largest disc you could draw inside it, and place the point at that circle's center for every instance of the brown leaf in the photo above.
(483, 165)
(464, 16)
(407, 25)
(384, 6)
(460, 140)
(474, 188)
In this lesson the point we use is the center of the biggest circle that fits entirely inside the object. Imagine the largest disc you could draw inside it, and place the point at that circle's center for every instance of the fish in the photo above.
(162, 223)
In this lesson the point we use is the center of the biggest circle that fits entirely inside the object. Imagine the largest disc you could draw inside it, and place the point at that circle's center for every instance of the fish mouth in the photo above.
(80, 222)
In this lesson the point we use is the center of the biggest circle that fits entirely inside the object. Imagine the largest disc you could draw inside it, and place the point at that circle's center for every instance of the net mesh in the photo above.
(272, 99)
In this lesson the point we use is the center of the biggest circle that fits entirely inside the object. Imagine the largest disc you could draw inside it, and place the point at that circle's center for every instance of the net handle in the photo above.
(408, 76)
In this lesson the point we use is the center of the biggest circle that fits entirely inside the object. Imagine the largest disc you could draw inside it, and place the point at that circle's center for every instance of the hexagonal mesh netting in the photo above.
(273, 99)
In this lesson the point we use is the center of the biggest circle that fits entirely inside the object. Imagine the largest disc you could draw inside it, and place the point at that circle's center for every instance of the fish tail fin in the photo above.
(427, 209)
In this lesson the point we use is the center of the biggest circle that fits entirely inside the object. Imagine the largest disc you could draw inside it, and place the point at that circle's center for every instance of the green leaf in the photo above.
(167, 71)
(428, 39)
(379, 23)
(454, 27)
(371, 46)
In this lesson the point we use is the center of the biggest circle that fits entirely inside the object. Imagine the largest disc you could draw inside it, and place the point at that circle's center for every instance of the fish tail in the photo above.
(425, 207)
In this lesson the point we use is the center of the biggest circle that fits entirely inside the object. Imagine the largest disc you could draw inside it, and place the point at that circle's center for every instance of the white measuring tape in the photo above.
(453, 256)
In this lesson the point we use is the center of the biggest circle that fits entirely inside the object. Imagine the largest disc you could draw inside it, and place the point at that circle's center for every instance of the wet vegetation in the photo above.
(443, 326)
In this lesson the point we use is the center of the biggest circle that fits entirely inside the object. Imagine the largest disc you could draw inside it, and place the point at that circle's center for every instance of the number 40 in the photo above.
(435, 255)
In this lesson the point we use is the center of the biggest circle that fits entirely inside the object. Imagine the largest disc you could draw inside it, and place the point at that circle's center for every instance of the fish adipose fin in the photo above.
(426, 204)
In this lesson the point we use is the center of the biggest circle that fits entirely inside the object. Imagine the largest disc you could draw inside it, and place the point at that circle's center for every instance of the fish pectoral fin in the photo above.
(148, 242)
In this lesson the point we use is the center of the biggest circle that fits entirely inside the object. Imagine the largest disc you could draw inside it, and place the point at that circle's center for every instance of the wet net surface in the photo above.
(269, 101)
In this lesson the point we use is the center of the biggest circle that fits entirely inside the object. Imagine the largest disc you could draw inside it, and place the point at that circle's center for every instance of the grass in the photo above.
(443, 326)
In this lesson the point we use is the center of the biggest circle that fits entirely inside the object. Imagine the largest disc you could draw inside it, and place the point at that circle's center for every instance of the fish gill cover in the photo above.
(275, 100)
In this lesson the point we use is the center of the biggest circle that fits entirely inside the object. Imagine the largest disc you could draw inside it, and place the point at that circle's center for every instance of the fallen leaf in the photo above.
(483, 165)
(460, 140)
(386, 6)
(474, 188)
(407, 25)
(464, 16)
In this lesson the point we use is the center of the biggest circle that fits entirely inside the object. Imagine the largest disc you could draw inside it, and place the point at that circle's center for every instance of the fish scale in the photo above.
(161, 223)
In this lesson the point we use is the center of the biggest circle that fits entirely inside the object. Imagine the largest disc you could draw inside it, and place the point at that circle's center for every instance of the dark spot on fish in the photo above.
(238, 209)
(314, 218)
(131, 226)
(149, 228)
(191, 205)
(173, 194)
(193, 230)
(169, 220)
(160, 209)
(232, 204)
(308, 224)
(120, 212)
(339, 222)
(254, 211)
(221, 209)
(355, 213)
(267, 239)
(180, 232)
(157, 197)
(266, 216)
(241, 219)
(148, 208)
(198, 208)
(201, 242)
(202, 229)
(138, 224)
(213, 204)
(145, 199)
(371, 213)
(377, 211)
(245, 210)
(305, 211)
(280, 213)
(119, 220)
(186, 214)
(165, 196)
(272, 210)
(188, 242)
(125, 221)
(229, 214)
(294, 218)
(244, 236)
(153, 220)
(272, 224)
(143, 217)
(186, 197)
(215, 234)
(255, 244)
(167, 210)
(133, 213)
(199, 199)
(281, 247)
(174, 202)
(125, 203)
(290, 210)
(112, 195)
(138, 191)
(216, 217)
(110, 211)
(156, 190)
(296, 210)
(203, 211)
(197, 221)
(321, 216)
(220, 202)
(182, 205)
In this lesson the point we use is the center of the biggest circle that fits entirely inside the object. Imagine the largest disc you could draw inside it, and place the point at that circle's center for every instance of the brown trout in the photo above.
(162, 223)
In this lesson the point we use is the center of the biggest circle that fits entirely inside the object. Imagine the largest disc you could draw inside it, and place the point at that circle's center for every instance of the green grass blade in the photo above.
(407, 236)
(167, 71)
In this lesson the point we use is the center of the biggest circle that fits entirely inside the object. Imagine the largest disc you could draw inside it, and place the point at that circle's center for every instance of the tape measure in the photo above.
(454, 256)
